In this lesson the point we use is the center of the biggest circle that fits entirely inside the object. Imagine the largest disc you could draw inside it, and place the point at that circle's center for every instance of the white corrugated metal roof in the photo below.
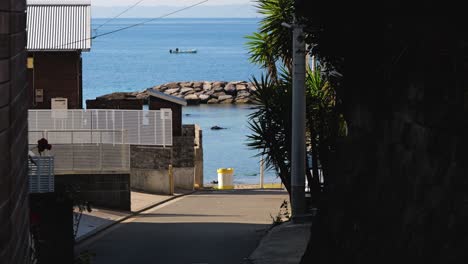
(59, 2)
(55, 25)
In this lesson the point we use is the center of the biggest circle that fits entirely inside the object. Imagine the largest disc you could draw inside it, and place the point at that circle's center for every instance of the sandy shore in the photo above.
(250, 186)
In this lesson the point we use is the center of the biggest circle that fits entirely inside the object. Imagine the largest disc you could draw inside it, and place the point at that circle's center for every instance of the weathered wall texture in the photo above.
(14, 210)
(184, 178)
(152, 181)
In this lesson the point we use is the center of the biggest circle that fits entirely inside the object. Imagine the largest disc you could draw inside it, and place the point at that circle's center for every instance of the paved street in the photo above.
(206, 227)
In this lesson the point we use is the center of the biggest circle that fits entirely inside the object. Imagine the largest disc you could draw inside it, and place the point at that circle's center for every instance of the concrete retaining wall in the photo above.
(184, 178)
(150, 164)
(153, 181)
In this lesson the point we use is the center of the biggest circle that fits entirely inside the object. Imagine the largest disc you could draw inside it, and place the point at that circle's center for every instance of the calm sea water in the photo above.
(139, 58)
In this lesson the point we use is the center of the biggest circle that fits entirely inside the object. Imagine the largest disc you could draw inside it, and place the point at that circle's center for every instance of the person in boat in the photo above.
(177, 50)
(170, 51)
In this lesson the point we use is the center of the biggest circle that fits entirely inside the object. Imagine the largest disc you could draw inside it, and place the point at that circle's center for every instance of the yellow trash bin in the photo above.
(225, 178)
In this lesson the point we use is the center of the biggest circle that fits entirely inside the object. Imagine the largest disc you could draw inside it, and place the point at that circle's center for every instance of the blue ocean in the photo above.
(139, 58)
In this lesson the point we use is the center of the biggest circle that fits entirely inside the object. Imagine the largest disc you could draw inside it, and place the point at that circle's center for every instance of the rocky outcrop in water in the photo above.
(219, 92)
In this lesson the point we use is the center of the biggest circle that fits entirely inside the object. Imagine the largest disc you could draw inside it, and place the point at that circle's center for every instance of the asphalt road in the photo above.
(206, 227)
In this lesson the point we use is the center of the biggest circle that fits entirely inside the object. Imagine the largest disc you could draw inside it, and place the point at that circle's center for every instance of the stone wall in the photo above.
(14, 210)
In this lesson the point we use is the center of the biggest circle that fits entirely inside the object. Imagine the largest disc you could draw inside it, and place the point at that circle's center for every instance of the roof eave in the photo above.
(167, 97)
(59, 2)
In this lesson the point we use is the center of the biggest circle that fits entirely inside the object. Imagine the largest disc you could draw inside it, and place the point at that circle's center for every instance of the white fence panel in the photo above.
(90, 157)
(79, 136)
(143, 127)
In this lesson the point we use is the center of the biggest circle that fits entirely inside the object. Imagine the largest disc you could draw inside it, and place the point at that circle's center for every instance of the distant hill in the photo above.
(219, 11)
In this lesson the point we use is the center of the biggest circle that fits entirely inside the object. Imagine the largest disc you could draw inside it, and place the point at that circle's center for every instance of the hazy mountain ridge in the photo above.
(225, 11)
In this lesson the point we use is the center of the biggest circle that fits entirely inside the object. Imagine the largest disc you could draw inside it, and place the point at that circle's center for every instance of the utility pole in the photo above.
(298, 158)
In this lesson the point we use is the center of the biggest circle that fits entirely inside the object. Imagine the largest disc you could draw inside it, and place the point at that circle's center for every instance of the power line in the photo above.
(121, 13)
(137, 24)
(150, 20)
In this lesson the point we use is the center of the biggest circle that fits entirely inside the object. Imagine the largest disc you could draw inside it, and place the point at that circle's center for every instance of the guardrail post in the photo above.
(100, 150)
(73, 151)
(261, 173)
(163, 120)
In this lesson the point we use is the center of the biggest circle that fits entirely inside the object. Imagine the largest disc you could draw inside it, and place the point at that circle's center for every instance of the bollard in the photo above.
(225, 181)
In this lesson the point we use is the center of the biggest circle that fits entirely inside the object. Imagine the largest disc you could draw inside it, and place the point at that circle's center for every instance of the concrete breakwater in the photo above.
(203, 92)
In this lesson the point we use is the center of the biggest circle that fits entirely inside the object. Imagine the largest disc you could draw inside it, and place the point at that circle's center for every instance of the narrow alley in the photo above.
(205, 227)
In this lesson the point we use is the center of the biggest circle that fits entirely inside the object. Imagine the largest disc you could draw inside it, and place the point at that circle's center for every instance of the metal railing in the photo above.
(41, 174)
(82, 158)
(143, 127)
(82, 136)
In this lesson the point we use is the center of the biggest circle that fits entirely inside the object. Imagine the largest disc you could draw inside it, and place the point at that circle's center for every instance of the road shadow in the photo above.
(177, 243)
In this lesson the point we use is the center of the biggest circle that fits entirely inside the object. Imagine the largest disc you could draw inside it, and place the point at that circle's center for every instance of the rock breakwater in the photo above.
(201, 92)
(218, 92)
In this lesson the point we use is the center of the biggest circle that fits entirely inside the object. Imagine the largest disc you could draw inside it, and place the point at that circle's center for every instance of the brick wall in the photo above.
(14, 212)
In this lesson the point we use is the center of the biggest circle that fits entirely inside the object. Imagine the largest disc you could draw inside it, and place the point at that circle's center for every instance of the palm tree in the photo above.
(273, 43)
(271, 126)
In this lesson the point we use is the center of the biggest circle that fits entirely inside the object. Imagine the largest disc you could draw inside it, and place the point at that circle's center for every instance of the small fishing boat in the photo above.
(183, 51)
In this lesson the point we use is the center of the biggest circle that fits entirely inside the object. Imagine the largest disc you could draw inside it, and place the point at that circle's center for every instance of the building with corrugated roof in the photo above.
(58, 31)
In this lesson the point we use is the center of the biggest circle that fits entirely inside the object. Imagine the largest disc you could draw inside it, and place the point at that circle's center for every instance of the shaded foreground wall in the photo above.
(14, 211)
(106, 190)
(398, 190)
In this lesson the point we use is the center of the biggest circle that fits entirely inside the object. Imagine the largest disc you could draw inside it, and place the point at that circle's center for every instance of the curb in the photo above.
(100, 229)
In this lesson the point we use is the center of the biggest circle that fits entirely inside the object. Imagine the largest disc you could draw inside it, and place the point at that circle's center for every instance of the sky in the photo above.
(167, 2)
(153, 8)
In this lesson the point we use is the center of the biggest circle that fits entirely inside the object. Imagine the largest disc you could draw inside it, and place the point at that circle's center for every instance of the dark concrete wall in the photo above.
(14, 210)
(128, 104)
(59, 75)
(157, 104)
(106, 190)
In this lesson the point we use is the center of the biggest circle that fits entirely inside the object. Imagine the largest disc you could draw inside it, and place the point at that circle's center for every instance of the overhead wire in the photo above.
(118, 15)
(136, 24)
